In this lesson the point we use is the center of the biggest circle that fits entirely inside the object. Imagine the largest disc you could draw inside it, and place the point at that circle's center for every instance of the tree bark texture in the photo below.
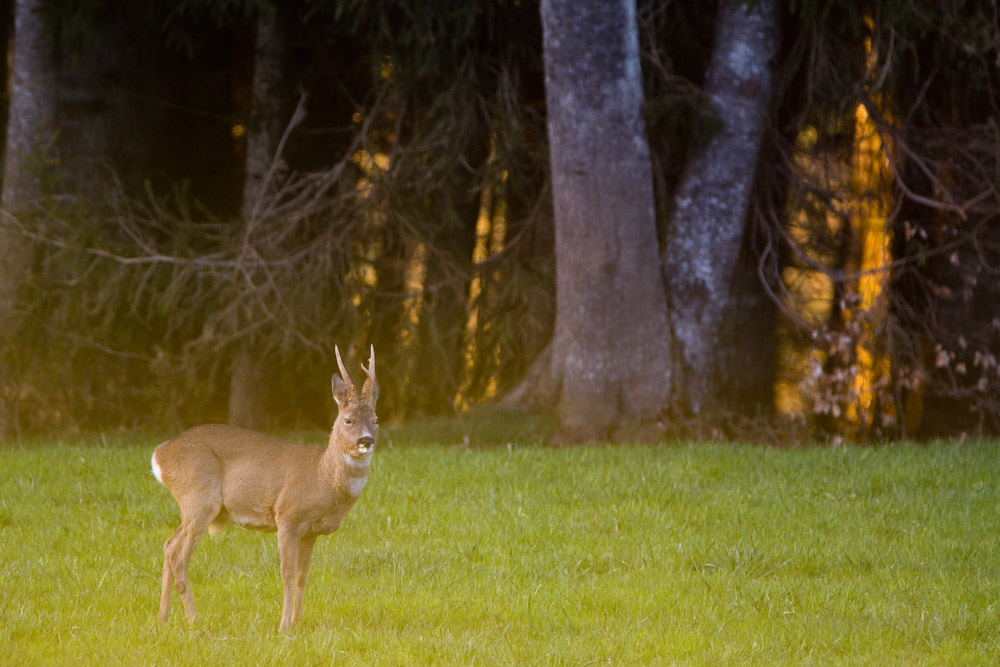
(706, 230)
(609, 357)
(269, 109)
(107, 118)
(31, 114)
(30, 130)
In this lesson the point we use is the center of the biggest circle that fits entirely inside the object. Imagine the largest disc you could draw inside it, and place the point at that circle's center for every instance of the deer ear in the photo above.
(341, 390)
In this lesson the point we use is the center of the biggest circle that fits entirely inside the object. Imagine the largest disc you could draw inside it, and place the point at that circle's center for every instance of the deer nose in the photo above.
(366, 441)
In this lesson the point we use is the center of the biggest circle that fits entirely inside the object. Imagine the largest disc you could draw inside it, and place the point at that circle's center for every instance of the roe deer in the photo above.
(219, 473)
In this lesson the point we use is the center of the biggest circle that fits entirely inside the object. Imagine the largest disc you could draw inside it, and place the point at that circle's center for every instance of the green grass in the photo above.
(520, 555)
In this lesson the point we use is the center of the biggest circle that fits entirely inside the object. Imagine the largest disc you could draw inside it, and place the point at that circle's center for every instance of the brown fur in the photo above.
(219, 473)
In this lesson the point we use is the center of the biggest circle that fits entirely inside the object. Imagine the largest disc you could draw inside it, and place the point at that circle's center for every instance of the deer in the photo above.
(221, 474)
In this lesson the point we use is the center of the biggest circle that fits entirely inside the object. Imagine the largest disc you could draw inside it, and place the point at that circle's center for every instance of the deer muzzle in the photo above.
(365, 444)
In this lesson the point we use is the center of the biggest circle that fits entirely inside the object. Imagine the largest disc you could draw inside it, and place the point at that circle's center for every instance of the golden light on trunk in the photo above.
(491, 232)
(362, 273)
(838, 218)
(416, 272)
(870, 180)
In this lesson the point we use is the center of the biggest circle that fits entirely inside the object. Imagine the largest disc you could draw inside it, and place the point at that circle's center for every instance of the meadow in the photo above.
(493, 550)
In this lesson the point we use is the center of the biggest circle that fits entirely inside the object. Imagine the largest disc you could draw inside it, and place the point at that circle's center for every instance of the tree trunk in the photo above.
(30, 130)
(440, 364)
(609, 357)
(706, 232)
(31, 114)
(247, 391)
(107, 81)
(269, 107)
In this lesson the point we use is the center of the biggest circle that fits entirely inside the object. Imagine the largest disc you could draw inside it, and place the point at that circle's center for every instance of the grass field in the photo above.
(520, 555)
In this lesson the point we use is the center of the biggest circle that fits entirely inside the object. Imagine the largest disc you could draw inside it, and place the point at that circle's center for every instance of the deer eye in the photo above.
(348, 421)
(375, 421)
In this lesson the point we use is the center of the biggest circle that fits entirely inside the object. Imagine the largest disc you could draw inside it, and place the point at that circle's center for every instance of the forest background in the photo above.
(201, 198)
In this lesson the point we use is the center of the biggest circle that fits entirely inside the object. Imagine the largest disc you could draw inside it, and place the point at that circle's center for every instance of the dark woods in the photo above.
(202, 198)
(369, 191)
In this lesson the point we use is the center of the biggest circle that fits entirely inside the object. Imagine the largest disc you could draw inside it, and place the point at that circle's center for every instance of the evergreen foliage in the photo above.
(413, 211)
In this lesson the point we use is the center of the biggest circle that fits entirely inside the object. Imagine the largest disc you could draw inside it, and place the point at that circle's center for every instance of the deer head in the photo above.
(356, 428)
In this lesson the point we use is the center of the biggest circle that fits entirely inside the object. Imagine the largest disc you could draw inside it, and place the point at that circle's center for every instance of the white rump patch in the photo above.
(157, 473)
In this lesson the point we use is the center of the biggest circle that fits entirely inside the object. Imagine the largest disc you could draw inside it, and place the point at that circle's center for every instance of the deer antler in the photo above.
(343, 370)
(370, 391)
(370, 371)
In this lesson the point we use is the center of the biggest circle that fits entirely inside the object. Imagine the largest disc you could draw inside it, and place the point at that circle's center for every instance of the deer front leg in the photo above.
(305, 555)
(288, 549)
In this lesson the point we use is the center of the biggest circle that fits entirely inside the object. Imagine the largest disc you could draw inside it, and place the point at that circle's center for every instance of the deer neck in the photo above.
(346, 473)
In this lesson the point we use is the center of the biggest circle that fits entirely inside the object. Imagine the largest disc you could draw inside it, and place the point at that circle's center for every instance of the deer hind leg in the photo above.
(185, 548)
(178, 550)
(168, 575)
(305, 555)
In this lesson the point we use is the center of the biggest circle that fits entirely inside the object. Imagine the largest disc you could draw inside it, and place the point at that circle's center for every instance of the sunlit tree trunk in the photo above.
(387, 308)
(443, 312)
(608, 362)
(706, 231)
(30, 130)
